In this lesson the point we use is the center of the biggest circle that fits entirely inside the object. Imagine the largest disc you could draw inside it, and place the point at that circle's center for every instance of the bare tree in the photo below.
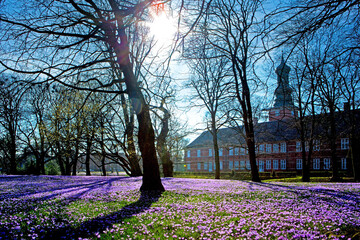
(11, 94)
(234, 30)
(76, 36)
(210, 80)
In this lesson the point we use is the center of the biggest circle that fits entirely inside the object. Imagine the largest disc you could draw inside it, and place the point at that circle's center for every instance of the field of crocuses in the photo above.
(56, 207)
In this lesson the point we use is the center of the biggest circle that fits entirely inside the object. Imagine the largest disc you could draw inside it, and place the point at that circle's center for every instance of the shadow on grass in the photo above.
(329, 195)
(100, 224)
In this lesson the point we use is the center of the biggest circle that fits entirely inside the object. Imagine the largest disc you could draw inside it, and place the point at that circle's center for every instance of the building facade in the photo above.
(278, 146)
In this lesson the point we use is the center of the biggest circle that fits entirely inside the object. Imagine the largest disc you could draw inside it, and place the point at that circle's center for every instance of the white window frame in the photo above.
(345, 143)
(205, 166)
(261, 166)
(199, 165)
(188, 166)
(299, 164)
(261, 148)
(283, 164)
(198, 154)
(327, 163)
(268, 164)
(188, 153)
(276, 164)
(268, 147)
(210, 152)
(316, 163)
(343, 163)
(283, 147)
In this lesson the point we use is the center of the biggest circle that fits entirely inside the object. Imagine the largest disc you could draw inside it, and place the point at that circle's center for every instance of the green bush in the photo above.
(52, 168)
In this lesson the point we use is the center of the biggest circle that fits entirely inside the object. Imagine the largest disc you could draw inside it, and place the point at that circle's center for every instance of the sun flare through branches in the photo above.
(162, 26)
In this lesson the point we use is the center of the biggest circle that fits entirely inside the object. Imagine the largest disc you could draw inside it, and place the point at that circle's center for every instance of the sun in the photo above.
(163, 27)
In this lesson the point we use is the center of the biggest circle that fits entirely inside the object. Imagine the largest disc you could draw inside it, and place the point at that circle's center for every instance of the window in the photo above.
(210, 152)
(277, 113)
(210, 166)
(261, 148)
(307, 147)
(343, 163)
(268, 164)
(275, 148)
(231, 151)
(188, 166)
(231, 165)
(199, 165)
(298, 146)
(242, 150)
(316, 145)
(221, 165)
(199, 153)
(268, 148)
(220, 152)
(327, 163)
(242, 164)
(344, 143)
(236, 151)
(205, 166)
(316, 163)
(188, 153)
(236, 165)
(261, 165)
(283, 164)
(275, 164)
(298, 164)
(283, 147)
(248, 165)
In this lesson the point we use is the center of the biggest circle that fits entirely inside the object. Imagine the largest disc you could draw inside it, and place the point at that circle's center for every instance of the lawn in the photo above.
(56, 207)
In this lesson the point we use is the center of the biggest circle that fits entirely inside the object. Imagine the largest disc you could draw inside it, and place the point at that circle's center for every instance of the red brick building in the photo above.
(277, 141)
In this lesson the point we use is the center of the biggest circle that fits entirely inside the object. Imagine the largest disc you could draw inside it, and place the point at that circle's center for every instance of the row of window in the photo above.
(271, 148)
(267, 164)
(242, 165)
(243, 151)
(326, 164)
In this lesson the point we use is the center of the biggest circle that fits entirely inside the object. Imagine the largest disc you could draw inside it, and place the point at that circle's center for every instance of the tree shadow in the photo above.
(100, 224)
(329, 195)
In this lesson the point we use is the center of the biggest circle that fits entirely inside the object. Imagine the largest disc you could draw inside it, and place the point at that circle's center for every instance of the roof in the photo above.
(274, 131)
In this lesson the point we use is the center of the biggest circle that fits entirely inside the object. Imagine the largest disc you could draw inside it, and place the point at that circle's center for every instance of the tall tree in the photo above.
(234, 30)
(11, 94)
(75, 36)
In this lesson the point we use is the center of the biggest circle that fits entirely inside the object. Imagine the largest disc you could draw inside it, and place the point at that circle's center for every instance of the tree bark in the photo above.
(162, 147)
(146, 136)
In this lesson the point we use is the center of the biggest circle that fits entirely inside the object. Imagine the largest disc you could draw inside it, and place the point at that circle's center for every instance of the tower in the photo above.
(284, 105)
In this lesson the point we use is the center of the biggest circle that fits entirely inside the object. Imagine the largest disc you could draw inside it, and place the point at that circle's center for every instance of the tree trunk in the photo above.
(335, 166)
(216, 147)
(162, 148)
(146, 135)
